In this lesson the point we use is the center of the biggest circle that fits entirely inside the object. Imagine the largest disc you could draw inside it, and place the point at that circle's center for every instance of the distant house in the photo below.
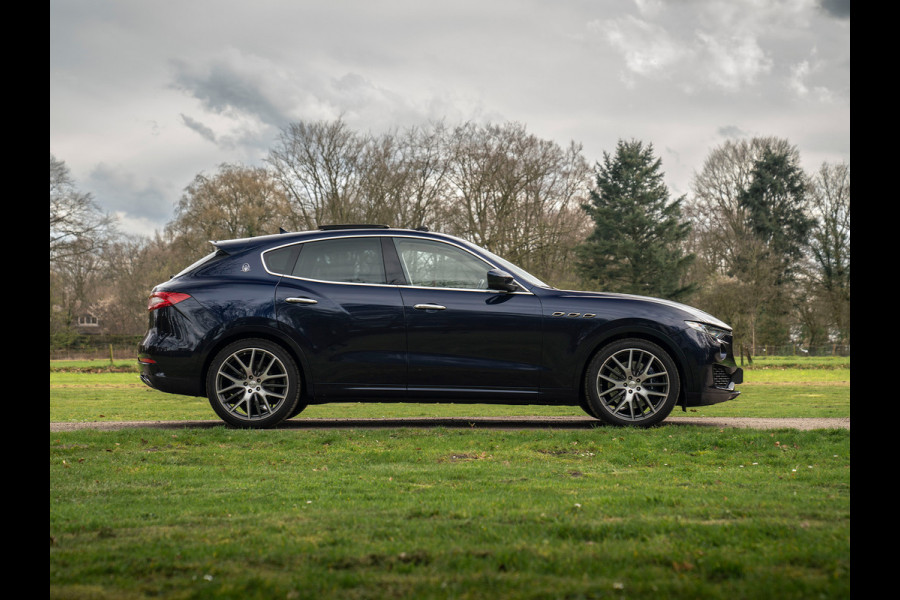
(88, 324)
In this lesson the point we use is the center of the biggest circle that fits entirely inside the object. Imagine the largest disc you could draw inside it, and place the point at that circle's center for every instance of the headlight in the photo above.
(716, 333)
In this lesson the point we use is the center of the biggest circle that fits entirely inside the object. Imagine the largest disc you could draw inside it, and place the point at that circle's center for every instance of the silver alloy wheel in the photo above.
(251, 384)
(633, 384)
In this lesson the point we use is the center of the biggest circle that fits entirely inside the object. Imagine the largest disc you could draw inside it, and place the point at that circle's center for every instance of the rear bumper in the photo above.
(154, 374)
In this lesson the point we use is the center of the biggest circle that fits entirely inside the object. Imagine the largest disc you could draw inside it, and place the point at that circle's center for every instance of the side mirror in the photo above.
(501, 280)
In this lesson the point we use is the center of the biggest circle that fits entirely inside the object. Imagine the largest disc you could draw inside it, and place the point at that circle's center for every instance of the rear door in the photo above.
(336, 302)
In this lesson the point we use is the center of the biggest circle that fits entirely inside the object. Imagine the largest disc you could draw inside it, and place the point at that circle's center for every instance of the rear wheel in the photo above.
(253, 383)
(632, 382)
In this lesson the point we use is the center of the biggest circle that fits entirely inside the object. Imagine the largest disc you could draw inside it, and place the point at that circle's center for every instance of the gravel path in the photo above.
(472, 423)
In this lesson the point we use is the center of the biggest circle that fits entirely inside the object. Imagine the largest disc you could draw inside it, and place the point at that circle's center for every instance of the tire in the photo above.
(297, 410)
(586, 407)
(632, 382)
(253, 384)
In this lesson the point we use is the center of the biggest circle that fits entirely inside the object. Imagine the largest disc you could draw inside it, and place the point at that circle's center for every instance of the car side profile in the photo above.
(268, 325)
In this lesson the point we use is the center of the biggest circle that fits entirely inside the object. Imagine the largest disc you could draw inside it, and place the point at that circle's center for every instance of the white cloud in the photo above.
(649, 8)
(799, 82)
(646, 47)
(732, 63)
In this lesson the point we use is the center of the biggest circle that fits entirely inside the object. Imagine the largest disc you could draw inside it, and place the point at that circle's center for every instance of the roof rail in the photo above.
(356, 226)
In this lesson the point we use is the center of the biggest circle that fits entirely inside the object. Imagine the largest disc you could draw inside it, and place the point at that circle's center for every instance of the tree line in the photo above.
(757, 241)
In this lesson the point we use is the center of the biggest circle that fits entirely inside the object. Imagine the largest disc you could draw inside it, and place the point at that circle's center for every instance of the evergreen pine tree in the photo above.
(637, 243)
(776, 203)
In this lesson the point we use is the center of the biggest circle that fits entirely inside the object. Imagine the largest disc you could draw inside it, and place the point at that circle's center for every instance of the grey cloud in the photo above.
(220, 81)
(204, 131)
(118, 190)
(224, 88)
(836, 8)
(250, 140)
(259, 98)
(731, 132)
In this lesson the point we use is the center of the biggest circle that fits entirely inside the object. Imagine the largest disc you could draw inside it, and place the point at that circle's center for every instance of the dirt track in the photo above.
(473, 423)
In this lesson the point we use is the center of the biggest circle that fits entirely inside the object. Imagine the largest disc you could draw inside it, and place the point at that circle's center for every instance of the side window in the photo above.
(435, 264)
(281, 260)
(350, 260)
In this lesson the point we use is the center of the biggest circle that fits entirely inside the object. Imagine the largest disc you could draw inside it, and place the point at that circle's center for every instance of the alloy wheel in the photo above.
(251, 384)
(633, 385)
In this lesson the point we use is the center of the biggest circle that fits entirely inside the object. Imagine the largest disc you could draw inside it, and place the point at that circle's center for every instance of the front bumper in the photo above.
(717, 373)
(717, 386)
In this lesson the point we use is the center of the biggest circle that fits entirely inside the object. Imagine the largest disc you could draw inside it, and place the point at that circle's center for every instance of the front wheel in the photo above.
(297, 410)
(253, 383)
(632, 382)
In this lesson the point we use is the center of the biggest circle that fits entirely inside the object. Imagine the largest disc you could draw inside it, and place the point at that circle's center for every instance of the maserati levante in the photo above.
(265, 326)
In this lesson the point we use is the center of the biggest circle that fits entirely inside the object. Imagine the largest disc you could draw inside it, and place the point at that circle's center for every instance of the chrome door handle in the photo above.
(301, 300)
(429, 307)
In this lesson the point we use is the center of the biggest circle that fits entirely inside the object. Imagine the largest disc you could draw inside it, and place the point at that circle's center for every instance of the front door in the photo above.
(464, 341)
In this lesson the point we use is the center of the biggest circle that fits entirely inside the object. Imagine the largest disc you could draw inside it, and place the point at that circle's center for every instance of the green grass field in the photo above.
(82, 391)
(670, 512)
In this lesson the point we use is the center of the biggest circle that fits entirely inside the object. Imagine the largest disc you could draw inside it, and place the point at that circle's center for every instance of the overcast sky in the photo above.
(146, 95)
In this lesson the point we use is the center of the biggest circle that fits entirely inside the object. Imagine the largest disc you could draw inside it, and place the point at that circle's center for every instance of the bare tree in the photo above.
(404, 178)
(830, 246)
(717, 215)
(74, 290)
(77, 226)
(132, 265)
(737, 274)
(515, 195)
(382, 180)
(235, 202)
(483, 182)
(496, 185)
(319, 166)
(78, 233)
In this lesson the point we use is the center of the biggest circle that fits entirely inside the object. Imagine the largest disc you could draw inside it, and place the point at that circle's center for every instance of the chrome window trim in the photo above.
(523, 290)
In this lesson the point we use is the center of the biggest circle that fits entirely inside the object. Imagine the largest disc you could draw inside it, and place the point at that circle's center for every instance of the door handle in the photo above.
(429, 307)
(301, 300)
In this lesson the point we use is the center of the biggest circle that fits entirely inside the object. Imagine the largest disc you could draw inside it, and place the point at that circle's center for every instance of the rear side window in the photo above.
(346, 260)
(281, 260)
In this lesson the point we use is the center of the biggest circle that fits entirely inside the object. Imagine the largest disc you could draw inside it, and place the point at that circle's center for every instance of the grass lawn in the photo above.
(671, 512)
(78, 394)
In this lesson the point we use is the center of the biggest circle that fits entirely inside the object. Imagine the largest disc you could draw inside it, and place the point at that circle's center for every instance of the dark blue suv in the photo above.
(265, 326)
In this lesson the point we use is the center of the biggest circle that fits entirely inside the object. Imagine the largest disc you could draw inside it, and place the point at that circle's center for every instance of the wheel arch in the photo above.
(268, 333)
(644, 332)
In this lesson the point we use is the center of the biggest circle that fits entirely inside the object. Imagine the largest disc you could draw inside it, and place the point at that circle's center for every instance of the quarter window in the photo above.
(282, 260)
(435, 264)
(350, 260)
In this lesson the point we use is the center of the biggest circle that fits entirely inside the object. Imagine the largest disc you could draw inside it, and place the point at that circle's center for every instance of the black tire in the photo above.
(253, 383)
(297, 410)
(632, 382)
(586, 407)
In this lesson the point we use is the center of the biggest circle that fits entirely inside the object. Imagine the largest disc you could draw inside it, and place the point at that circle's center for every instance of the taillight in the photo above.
(160, 299)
